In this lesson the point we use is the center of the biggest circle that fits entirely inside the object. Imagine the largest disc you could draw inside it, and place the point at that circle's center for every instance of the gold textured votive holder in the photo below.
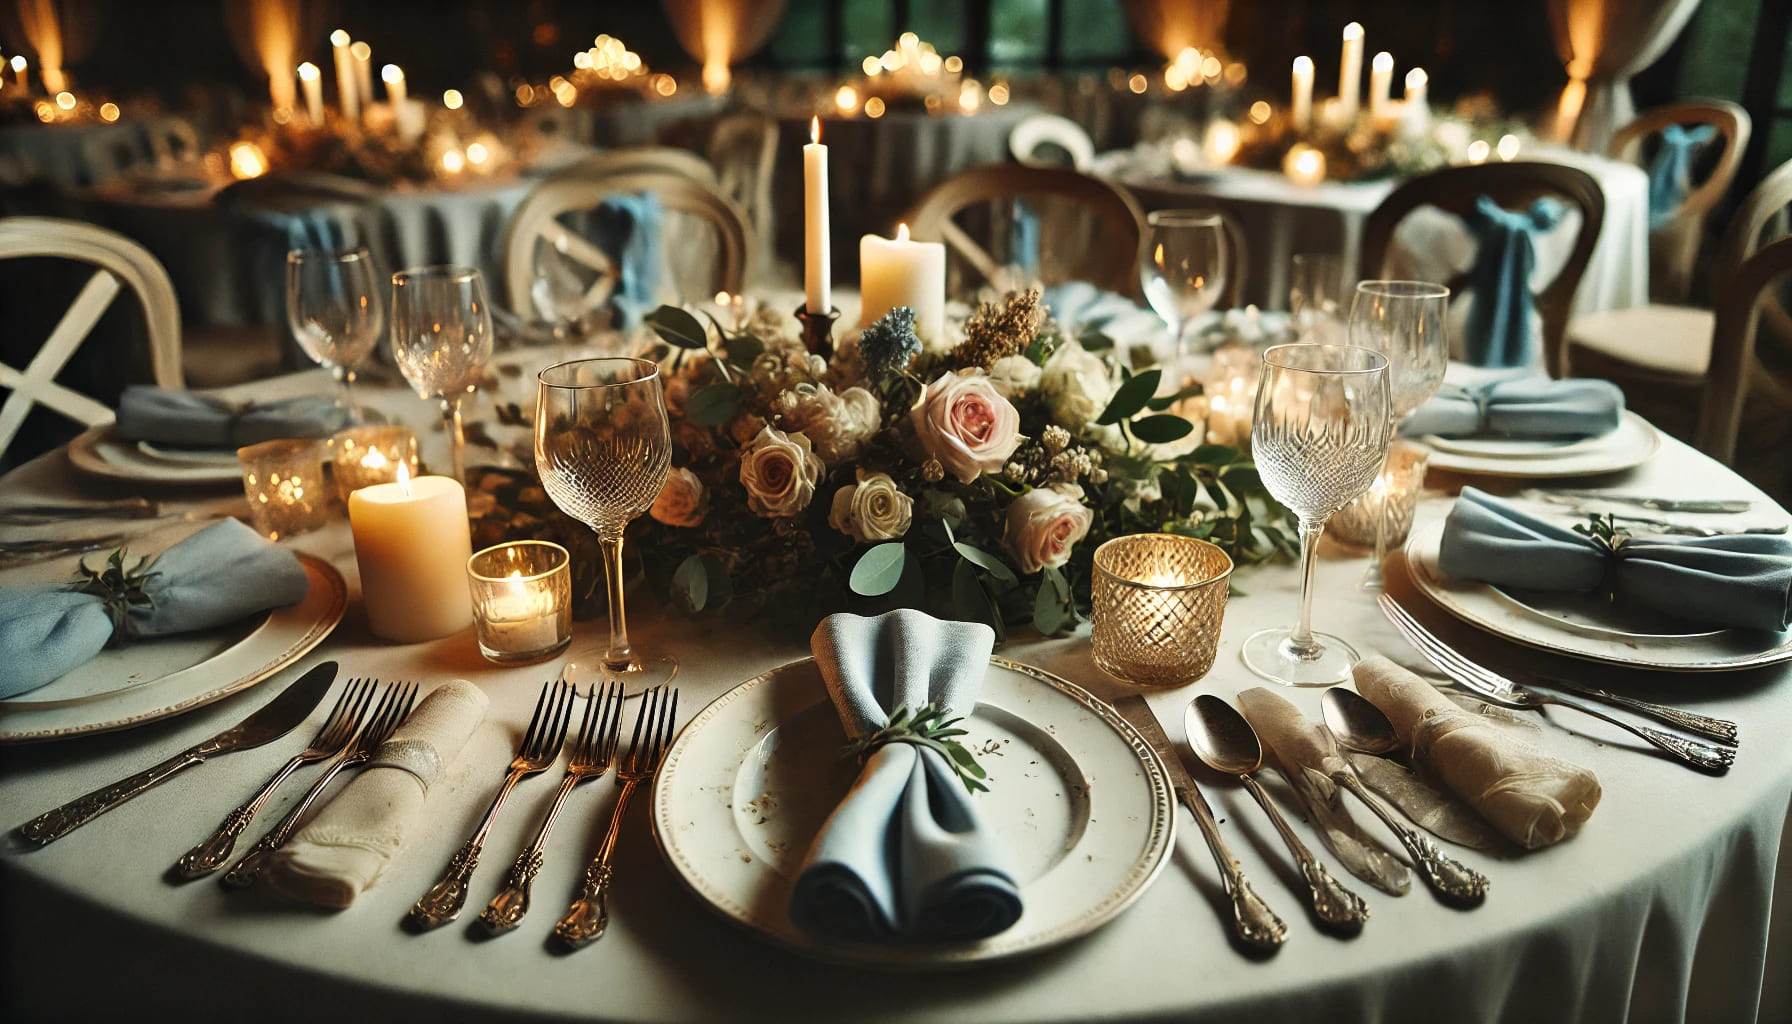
(522, 600)
(1158, 600)
(284, 482)
(364, 456)
(1399, 484)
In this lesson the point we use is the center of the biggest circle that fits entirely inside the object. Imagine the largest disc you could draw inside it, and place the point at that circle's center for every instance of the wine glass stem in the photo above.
(1301, 639)
(457, 437)
(620, 655)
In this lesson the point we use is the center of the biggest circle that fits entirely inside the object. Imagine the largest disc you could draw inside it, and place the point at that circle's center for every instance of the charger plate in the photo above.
(1081, 805)
(99, 452)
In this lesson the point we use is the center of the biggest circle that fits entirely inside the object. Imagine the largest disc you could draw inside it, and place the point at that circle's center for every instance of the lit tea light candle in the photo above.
(1301, 112)
(1304, 165)
(247, 160)
(899, 272)
(522, 600)
(284, 483)
(311, 83)
(1157, 603)
(364, 456)
(817, 250)
(412, 543)
(1392, 498)
(1221, 143)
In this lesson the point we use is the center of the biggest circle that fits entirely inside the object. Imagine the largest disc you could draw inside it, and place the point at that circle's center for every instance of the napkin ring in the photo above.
(419, 758)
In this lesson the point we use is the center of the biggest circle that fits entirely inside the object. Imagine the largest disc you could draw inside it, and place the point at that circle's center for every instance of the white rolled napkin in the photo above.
(1532, 798)
(345, 848)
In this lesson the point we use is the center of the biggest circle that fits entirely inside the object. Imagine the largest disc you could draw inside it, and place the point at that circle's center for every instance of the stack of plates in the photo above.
(1631, 444)
(100, 452)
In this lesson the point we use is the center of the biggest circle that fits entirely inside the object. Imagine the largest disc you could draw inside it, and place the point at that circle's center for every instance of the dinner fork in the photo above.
(592, 753)
(211, 853)
(539, 750)
(1497, 689)
(392, 709)
(585, 920)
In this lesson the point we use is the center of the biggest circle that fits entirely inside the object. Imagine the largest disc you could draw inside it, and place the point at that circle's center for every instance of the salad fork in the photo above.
(392, 709)
(585, 921)
(211, 853)
(592, 753)
(539, 750)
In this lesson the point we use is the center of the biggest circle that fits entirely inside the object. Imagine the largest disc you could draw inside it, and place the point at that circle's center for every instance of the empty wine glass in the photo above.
(603, 448)
(1182, 266)
(1406, 322)
(441, 337)
(1316, 296)
(333, 308)
(1319, 438)
(570, 286)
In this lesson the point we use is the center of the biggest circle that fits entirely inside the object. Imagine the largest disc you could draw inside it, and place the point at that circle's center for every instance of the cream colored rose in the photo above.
(872, 509)
(966, 425)
(779, 471)
(680, 502)
(1044, 524)
(837, 424)
(1013, 376)
(1077, 386)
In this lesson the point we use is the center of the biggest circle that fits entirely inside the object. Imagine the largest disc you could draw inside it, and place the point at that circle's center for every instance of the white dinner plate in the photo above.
(189, 456)
(1630, 445)
(99, 453)
(153, 679)
(1513, 447)
(1577, 626)
(1081, 804)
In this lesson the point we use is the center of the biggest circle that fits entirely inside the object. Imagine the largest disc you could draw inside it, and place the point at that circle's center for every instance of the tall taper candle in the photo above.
(1381, 82)
(347, 97)
(1350, 71)
(363, 58)
(817, 273)
(1302, 109)
(311, 81)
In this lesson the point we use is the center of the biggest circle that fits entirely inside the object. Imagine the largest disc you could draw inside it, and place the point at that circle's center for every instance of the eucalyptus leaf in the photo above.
(878, 570)
(970, 602)
(1163, 402)
(1162, 428)
(713, 405)
(986, 561)
(1215, 455)
(744, 348)
(1242, 477)
(1131, 397)
(690, 584)
(1052, 612)
(678, 327)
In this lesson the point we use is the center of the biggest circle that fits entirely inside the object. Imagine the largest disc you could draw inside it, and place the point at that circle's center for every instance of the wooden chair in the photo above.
(655, 159)
(119, 262)
(1042, 130)
(1674, 247)
(1513, 186)
(1737, 371)
(1110, 259)
(586, 185)
(743, 151)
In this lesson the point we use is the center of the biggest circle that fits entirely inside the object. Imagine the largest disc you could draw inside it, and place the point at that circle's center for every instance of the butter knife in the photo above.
(1254, 923)
(1575, 497)
(275, 719)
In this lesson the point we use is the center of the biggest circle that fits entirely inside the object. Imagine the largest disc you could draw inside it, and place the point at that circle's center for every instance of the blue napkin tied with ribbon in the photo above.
(904, 857)
(193, 420)
(1533, 407)
(1742, 581)
(223, 573)
(1499, 322)
(1670, 170)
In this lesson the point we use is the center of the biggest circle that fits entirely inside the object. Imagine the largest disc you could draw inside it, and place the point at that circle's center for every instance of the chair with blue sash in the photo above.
(1680, 141)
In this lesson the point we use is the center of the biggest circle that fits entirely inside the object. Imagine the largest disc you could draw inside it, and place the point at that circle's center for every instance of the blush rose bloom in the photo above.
(680, 502)
(1077, 386)
(966, 425)
(1044, 524)
(779, 471)
(872, 509)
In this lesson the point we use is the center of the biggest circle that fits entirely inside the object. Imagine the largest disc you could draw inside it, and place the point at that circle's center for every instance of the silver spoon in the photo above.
(1225, 742)
(1360, 726)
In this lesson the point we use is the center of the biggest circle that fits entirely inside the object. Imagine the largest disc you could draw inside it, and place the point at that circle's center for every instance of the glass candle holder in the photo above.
(522, 600)
(364, 456)
(1230, 388)
(284, 482)
(1398, 486)
(1159, 599)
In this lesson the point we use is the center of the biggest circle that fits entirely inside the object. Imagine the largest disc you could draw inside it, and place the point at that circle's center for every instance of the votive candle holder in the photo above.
(364, 456)
(522, 600)
(1393, 496)
(284, 482)
(1158, 601)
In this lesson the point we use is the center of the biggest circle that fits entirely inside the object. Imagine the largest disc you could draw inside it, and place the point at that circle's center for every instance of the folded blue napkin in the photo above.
(904, 856)
(1499, 321)
(1531, 407)
(627, 229)
(222, 573)
(1742, 581)
(1023, 238)
(194, 420)
(1670, 171)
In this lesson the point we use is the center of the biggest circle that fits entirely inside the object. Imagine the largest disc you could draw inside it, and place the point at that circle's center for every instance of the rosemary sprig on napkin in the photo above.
(122, 589)
(927, 726)
(1604, 531)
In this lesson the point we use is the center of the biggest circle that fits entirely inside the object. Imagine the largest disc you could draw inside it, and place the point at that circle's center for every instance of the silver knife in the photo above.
(1255, 924)
(1575, 497)
(275, 719)
(1437, 812)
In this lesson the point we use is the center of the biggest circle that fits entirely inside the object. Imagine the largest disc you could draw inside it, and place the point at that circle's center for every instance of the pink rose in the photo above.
(680, 502)
(1044, 524)
(966, 425)
(779, 471)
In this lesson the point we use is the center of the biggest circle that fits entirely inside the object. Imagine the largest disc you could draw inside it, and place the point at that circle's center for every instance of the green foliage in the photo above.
(677, 327)
(928, 727)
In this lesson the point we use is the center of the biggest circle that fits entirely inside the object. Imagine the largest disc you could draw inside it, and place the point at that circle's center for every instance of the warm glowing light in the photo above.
(404, 477)
(1353, 30)
(815, 129)
(891, 60)
(998, 93)
(308, 72)
(582, 60)
(565, 93)
(1416, 80)
(1211, 67)
(1508, 147)
(1478, 150)
(1303, 65)
(954, 64)
(65, 100)
(391, 74)
(1175, 79)
(970, 96)
(902, 232)
(453, 162)
(45, 112)
(108, 111)
(452, 99)
(874, 107)
(361, 51)
(477, 153)
(1222, 142)
(847, 99)
(1260, 111)
(1137, 84)
(18, 63)
(716, 76)
(1304, 165)
(665, 85)
(1384, 61)
(908, 40)
(930, 62)
(339, 38)
(247, 160)
(525, 94)
(1236, 74)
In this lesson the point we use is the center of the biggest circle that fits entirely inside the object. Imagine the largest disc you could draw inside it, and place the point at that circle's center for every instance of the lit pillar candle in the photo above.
(1381, 83)
(311, 81)
(346, 96)
(817, 274)
(362, 55)
(898, 272)
(1350, 71)
(407, 120)
(1418, 108)
(412, 544)
(1302, 109)
(19, 66)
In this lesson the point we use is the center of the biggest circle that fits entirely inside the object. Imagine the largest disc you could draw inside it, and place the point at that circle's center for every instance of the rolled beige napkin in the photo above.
(1532, 798)
(345, 848)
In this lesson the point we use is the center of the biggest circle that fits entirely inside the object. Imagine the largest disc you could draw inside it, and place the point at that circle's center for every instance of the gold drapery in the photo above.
(1171, 26)
(719, 33)
(55, 33)
(1603, 43)
(273, 36)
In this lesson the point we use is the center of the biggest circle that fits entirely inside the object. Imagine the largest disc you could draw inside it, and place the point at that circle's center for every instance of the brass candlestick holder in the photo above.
(818, 330)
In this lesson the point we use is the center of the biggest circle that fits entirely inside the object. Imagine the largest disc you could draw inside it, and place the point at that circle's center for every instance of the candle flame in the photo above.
(902, 232)
(361, 51)
(1384, 61)
(308, 71)
(391, 74)
(1416, 79)
(1354, 30)
(452, 99)
(1303, 65)
(18, 62)
(339, 37)
(404, 477)
(815, 128)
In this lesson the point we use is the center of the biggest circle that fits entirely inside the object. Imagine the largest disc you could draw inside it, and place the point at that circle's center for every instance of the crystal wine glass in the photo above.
(603, 447)
(1316, 295)
(441, 337)
(1406, 322)
(1319, 438)
(333, 308)
(1182, 267)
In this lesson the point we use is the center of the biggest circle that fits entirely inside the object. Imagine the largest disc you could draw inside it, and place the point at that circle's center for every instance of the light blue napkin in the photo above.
(194, 420)
(627, 229)
(223, 573)
(1023, 238)
(1530, 407)
(1742, 581)
(904, 857)
(1499, 321)
(1670, 171)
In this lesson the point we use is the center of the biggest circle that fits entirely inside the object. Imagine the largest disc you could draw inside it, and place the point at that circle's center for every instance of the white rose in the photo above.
(872, 509)
(1013, 376)
(779, 471)
(1077, 386)
(680, 502)
(838, 425)
(964, 424)
(1044, 524)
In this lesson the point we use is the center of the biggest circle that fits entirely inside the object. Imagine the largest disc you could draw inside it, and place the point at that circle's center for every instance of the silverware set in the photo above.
(1590, 502)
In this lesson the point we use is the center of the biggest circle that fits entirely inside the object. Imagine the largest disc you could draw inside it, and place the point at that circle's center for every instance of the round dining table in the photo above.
(1661, 908)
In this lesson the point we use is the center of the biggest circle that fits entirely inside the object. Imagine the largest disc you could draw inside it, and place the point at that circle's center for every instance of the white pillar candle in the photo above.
(362, 55)
(1302, 109)
(311, 81)
(412, 544)
(1418, 108)
(19, 72)
(407, 117)
(1350, 71)
(346, 96)
(898, 272)
(817, 274)
(1381, 83)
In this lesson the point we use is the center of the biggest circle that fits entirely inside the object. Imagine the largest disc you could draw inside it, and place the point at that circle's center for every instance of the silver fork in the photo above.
(1498, 689)
(211, 853)
(592, 753)
(392, 709)
(539, 750)
(584, 922)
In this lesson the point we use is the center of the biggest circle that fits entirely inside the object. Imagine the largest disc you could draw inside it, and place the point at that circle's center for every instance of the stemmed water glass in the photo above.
(1182, 266)
(333, 308)
(1406, 322)
(1319, 438)
(1316, 295)
(603, 447)
(441, 338)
